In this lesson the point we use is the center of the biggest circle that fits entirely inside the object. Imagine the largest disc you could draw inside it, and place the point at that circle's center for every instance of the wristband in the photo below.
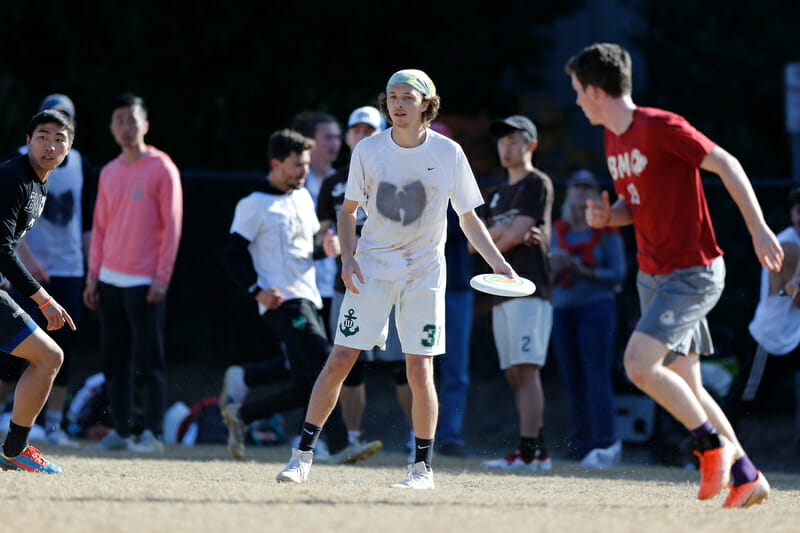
(253, 290)
(46, 303)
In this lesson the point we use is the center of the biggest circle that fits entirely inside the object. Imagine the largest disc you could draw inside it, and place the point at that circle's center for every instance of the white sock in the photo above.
(354, 435)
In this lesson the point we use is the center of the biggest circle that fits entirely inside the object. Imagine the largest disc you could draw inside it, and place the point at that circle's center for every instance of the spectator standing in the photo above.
(776, 324)
(454, 363)
(588, 267)
(53, 252)
(522, 326)
(135, 236)
(324, 130)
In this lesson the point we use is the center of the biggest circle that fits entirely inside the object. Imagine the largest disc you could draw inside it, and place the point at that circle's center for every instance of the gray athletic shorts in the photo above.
(674, 307)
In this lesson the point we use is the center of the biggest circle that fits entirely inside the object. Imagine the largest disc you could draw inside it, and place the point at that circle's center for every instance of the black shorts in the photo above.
(15, 324)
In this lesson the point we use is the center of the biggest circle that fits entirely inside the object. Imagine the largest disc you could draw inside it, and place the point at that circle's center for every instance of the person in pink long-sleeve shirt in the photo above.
(135, 235)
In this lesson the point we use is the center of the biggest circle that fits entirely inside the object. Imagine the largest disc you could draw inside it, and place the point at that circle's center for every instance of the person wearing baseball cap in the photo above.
(588, 267)
(53, 253)
(522, 325)
(583, 177)
(514, 123)
(59, 102)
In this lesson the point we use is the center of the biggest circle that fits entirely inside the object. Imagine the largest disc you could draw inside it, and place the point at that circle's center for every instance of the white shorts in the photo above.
(522, 331)
(419, 314)
(392, 350)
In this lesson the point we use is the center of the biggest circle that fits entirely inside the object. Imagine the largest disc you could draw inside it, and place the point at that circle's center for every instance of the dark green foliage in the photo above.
(720, 64)
(219, 77)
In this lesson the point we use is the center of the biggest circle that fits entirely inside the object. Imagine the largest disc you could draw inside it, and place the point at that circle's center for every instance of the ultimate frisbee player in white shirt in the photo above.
(403, 178)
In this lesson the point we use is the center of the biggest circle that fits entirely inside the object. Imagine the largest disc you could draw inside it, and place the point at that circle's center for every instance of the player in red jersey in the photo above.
(654, 157)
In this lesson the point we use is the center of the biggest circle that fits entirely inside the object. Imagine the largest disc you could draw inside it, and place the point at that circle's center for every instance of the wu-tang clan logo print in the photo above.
(404, 205)
(349, 321)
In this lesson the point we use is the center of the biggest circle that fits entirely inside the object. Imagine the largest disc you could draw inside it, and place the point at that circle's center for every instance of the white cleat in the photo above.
(112, 441)
(236, 429)
(148, 443)
(419, 477)
(515, 461)
(297, 469)
(59, 437)
(602, 458)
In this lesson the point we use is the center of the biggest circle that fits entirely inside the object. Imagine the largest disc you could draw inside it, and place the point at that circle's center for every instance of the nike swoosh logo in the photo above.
(431, 168)
(423, 447)
(307, 431)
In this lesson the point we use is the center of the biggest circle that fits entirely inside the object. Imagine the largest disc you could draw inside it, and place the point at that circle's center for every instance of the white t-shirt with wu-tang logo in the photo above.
(405, 193)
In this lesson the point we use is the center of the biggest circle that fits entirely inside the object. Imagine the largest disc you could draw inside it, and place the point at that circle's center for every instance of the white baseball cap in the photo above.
(366, 115)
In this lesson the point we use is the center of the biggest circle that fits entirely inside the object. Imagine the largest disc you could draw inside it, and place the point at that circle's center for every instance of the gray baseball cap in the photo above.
(583, 177)
(502, 127)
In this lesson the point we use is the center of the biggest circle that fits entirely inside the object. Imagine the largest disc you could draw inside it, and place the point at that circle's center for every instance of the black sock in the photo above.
(308, 437)
(530, 447)
(423, 451)
(16, 440)
(527, 447)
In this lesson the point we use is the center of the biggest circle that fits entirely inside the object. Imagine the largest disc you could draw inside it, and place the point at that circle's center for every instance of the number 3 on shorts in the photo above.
(433, 333)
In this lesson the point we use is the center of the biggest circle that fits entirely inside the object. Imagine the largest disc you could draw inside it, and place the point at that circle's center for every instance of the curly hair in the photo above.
(284, 142)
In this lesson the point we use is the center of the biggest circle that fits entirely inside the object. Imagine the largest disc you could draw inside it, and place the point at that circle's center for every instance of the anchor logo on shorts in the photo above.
(347, 324)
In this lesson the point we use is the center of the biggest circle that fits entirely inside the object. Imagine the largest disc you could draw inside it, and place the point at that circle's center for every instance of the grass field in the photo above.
(201, 489)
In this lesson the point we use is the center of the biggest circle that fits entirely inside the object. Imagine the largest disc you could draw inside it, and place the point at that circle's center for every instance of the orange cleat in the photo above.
(748, 494)
(715, 469)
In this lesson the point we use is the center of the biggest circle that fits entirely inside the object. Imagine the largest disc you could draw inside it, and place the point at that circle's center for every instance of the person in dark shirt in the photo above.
(53, 252)
(23, 190)
(522, 325)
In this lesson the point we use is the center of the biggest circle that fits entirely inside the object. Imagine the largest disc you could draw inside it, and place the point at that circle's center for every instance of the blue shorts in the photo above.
(15, 324)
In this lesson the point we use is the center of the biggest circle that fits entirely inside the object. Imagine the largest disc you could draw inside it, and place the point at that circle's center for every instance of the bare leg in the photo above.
(526, 385)
(329, 384)
(425, 403)
(354, 401)
(688, 368)
(34, 385)
(644, 358)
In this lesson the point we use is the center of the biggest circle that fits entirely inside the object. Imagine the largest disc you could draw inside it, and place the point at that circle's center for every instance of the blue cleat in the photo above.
(30, 460)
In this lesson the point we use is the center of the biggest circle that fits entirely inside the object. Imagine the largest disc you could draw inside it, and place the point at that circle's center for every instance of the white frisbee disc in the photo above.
(502, 285)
